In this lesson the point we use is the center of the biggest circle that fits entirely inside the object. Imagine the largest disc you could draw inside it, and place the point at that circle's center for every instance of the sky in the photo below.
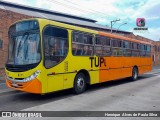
(104, 11)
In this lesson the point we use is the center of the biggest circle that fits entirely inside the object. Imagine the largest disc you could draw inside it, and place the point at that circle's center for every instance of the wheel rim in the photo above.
(80, 83)
(135, 74)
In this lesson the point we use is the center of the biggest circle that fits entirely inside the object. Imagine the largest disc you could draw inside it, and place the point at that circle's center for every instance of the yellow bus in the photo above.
(46, 56)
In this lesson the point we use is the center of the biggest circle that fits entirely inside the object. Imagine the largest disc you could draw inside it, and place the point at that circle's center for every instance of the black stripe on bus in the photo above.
(96, 70)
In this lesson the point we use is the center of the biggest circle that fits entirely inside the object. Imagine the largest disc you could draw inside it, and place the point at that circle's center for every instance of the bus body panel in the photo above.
(62, 75)
(58, 77)
(121, 67)
(37, 85)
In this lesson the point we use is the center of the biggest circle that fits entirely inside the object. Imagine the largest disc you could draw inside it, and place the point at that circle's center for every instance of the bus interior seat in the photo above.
(79, 52)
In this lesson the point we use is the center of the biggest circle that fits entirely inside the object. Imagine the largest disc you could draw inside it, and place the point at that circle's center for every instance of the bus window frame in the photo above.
(128, 48)
(137, 49)
(142, 50)
(148, 51)
(43, 43)
(84, 44)
(108, 46)
(29, 66)
(120, 48)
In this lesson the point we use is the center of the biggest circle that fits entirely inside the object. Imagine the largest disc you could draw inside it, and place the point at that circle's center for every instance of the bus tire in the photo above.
(79, 83)
(134, 74)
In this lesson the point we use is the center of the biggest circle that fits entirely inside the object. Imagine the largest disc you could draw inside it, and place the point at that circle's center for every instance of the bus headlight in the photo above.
(33, 76)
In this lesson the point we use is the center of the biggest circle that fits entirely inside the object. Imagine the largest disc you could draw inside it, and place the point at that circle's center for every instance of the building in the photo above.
(9, 13)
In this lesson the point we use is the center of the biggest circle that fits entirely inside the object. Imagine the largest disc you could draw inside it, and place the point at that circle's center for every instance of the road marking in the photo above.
(155, 69)
(153, 72)
(158, 75)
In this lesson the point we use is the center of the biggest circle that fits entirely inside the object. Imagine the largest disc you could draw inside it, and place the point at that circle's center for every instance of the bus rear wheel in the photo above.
(134, 74)
(79, 83)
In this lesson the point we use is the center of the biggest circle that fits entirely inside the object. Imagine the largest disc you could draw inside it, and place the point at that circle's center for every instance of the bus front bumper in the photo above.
(33, 86)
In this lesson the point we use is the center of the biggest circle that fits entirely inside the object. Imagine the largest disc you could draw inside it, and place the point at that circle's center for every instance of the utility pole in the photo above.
(120, 26)
(113, 21)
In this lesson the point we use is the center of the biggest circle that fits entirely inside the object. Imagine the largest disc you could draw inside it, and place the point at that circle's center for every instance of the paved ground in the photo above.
(123, 95)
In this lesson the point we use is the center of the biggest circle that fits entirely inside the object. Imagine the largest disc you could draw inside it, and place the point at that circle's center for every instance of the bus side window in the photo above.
(98, 50)
(79, 50)
(148, 51)
(136, 49)
(74, 49)
(87, 45)
(102, 46)
(83, 43)
(56, 45)
(98, 46)
(90, 51)
(75, 38)
(106, 46)
(117, 47)
(126, 48)
(142, 50)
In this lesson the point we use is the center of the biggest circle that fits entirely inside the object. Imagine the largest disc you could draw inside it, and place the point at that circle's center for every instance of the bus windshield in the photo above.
(24, 46)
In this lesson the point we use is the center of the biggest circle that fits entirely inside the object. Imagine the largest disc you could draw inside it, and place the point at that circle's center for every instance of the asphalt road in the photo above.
(121, 95)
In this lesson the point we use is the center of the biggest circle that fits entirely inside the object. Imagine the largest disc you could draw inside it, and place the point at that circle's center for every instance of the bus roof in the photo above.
(123, 38)
(90, 30)
(101, 33)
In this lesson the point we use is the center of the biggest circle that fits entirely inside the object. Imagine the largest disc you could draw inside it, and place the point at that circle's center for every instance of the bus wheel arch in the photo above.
(86, 73)
(135, 73)
(81, 79)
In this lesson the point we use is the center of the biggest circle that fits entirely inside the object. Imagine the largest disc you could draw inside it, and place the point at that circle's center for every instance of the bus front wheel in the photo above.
(79, 83)
(134, 73)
